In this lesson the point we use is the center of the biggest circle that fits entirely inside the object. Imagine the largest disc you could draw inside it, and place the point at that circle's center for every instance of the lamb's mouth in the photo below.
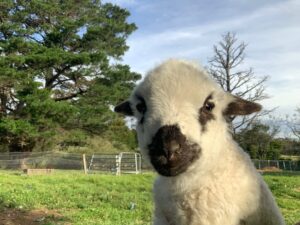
(177, 165)
(166, 169)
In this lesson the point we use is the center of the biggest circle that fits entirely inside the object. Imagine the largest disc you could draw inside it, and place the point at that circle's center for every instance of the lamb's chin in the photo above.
(168, 171)
(173, 168)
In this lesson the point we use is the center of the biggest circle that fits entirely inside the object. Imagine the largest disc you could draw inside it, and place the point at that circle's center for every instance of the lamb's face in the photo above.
(177, 107)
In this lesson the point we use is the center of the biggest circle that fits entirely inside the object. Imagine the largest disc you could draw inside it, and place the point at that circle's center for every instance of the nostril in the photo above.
(174, 147)
(171, 149)
(169, 154)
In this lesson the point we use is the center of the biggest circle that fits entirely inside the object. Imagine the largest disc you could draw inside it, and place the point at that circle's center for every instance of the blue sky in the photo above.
(189, 29)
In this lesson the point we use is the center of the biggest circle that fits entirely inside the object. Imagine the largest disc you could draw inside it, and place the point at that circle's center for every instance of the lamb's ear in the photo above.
(124, 108)
(240, 106)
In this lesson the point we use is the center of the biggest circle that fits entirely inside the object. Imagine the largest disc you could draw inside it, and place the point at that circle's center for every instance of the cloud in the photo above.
(254, 28)
(189, 29)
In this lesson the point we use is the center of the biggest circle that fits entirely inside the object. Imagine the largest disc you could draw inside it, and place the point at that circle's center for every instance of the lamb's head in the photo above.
(179, 110)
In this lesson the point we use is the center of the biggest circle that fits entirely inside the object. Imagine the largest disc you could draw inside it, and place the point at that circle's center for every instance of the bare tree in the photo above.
(294, 123)
(226, 68)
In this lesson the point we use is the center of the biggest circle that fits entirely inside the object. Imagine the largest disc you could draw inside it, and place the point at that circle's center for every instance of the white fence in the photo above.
(125, 162)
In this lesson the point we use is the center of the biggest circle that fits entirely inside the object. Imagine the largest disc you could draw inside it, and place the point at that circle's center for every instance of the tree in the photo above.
(294, 123)
(55, 70)
(259, 141)
(226, 68)
(290, 146)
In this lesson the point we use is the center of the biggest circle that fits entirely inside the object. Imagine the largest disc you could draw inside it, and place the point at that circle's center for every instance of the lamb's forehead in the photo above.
(177, 79)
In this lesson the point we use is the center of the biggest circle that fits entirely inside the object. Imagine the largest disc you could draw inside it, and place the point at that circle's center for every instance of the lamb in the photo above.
(204, 177)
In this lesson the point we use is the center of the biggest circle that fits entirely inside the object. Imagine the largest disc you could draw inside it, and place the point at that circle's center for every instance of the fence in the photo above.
(114, 163)
(25, 160)
(125, 162)
(278, 164)
(111, 163)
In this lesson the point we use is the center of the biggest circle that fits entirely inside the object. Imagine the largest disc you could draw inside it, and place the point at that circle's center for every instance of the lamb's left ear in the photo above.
(240, 106)
(124, 108)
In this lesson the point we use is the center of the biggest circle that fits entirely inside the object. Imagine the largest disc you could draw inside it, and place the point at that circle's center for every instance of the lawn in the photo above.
(98, 199)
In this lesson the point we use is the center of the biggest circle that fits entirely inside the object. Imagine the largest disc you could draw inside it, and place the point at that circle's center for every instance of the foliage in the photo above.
(56, 73)
(122, 140)
(259, 141)
(120, 136)
(290, 147)
(109, 200)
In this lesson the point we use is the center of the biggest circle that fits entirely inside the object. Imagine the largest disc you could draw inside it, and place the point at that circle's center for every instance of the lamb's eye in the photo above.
(141, 107)
(209, 106)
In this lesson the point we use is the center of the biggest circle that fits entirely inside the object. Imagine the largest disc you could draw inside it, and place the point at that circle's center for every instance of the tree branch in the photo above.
(49, 82)
(70, 96)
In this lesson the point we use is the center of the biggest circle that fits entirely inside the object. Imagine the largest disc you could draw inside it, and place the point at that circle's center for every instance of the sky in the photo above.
(189, 29)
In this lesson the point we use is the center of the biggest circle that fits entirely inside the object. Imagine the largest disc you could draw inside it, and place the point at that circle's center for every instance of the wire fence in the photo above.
(111, 163)
(277, 164)
(125, 162)
(40, 160)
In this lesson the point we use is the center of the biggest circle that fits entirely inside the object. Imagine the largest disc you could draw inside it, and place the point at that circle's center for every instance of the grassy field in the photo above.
(73, 198)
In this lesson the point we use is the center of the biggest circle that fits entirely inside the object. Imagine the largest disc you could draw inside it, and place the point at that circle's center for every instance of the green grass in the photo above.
(286, 189)
(112, 200)
(93, 199)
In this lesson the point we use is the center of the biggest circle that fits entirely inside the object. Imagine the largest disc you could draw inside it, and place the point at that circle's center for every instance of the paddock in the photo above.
(70, 197)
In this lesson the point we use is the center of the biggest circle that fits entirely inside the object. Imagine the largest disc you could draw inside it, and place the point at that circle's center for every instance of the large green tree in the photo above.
(259, 141)
(59, 69)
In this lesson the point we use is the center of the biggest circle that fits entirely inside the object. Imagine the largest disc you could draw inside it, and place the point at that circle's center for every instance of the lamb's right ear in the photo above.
(124, 108)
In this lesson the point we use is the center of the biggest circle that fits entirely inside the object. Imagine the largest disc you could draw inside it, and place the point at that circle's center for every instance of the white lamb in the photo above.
(205, 178)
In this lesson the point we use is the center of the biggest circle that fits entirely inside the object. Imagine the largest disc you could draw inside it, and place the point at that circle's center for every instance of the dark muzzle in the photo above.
(170, 153)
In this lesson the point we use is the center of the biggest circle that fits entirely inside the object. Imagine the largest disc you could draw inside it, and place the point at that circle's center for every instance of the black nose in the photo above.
(167, 141)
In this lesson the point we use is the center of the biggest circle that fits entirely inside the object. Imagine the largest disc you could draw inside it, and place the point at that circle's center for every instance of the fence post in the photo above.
(118, 164)
(136, 163)
(84, 163)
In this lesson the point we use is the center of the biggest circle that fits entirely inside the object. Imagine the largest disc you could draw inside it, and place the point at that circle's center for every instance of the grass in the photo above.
(93, 199)
(110, 200)
(286, 189)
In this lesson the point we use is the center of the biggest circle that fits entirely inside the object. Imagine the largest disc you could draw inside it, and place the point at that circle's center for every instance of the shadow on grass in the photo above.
(10, 216)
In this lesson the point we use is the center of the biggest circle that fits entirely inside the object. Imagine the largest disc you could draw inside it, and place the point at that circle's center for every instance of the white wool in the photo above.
(222, 187)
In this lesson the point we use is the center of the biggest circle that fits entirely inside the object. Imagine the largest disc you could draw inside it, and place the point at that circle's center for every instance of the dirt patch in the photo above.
(31, 172)
(33, 217)
(270, 169)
